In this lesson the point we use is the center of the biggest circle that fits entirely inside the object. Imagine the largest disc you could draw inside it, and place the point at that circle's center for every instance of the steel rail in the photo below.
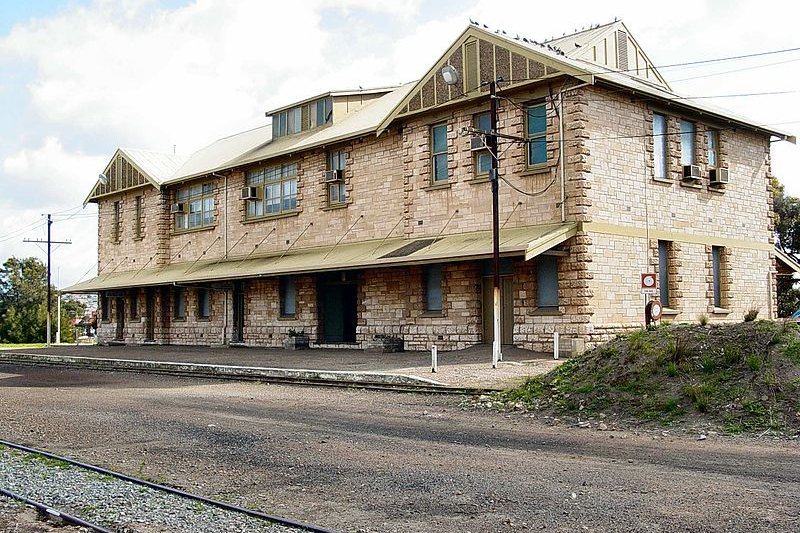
(208, 501)
(50, 511)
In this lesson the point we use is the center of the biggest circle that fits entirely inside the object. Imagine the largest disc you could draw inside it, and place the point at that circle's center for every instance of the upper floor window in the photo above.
(116, 223)
(483, 158)
(302, 117)
(137, 218)
(536, 133)
(712, 137)
(659, 146)
(688, 151)
(439, 153)
(276, 190)
(195, 206)
(337, 161)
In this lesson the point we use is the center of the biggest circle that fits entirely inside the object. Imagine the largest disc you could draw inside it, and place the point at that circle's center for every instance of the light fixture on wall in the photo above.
(449, 75)
(103, 179)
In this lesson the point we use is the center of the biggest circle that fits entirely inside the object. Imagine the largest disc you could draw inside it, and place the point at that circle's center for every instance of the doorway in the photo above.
(506, 310)
(120, 315)
(338, 306)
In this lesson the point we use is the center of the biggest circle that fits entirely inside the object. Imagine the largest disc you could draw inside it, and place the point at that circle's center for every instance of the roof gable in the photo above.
(131, 169)
(611, 46)
(481, 55)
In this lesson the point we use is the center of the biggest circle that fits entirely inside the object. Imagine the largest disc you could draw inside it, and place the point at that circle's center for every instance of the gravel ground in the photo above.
(115, 503)
(15, 517)
(367, 461)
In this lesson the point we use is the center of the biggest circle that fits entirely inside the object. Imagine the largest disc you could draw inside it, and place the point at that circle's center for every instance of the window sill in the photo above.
(664, 181)
(176, 319)
(334, 207)
(691, 184)
(721, 311)
(192, 230)
(437, 186)
(544, 168)
(287, 318)
(717, 188)
(286, 214)
(479, 179)
(666, 311)
(546, 311)
(432, 314)
(138, 239)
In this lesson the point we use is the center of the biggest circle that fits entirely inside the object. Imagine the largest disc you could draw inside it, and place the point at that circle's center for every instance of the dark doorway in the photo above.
(338, 306)
(237, 333)
(150, 312)
(120, 305)
(506, 310)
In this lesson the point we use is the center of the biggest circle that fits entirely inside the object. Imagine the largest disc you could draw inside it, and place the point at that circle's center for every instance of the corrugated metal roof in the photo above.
(366, 254)
(158, 166)
(344, 92)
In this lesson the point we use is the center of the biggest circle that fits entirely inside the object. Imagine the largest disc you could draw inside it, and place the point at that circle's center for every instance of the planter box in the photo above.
(296, 343)
(384, 345)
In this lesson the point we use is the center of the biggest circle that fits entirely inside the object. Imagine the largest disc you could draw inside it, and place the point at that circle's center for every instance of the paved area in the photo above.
(465, 368)
(362, 461)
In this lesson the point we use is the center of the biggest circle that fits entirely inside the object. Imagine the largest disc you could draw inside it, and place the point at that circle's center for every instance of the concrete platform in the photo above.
(458, 370)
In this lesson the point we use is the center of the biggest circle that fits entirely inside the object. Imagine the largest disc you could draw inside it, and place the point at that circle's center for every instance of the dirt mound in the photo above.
(740, 377)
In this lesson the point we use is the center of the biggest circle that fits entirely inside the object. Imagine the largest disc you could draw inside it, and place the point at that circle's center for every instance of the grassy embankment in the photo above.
(740, 377)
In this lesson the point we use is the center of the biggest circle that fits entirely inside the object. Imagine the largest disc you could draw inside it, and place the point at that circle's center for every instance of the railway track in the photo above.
(105, 501)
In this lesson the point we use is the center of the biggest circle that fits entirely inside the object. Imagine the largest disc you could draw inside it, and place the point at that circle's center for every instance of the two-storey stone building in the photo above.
(367, 213)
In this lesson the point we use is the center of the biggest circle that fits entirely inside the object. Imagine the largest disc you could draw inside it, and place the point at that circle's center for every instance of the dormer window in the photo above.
(301, 118)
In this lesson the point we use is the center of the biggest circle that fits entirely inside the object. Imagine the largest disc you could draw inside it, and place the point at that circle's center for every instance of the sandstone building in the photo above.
(367, 213)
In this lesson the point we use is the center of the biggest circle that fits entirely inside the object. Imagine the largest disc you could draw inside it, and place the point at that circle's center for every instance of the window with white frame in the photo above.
(197, 207)
(337, 195)
(276, 190)
(660, 169)
(712, 139)
(439, 153)
(483, 158)
(536, 134)
(688, 151)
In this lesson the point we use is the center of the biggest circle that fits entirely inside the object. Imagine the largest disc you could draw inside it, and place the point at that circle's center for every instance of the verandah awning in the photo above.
(529, 241)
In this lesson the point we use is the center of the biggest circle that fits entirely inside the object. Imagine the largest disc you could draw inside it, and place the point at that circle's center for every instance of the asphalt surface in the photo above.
(366, 461)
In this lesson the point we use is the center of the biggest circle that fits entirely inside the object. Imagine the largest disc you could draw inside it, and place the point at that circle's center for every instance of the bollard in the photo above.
(434, 359)
(555, 345)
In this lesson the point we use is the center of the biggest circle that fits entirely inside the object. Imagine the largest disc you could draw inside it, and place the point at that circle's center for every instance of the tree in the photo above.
(787, 233)
(23, 300)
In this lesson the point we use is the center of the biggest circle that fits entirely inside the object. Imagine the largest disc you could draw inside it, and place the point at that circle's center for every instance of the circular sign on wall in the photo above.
(655, 309)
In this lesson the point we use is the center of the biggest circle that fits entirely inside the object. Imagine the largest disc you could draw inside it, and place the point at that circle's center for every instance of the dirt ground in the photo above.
(365, 461)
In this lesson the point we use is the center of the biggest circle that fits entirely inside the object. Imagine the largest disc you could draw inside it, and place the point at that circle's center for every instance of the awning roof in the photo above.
(529, 241)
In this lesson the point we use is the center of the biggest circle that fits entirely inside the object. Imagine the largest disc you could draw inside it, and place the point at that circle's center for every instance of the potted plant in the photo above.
(296, 340)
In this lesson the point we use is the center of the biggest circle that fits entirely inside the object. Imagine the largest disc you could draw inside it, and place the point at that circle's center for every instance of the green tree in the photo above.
(70, 310)
(23, 300)
(787, 233)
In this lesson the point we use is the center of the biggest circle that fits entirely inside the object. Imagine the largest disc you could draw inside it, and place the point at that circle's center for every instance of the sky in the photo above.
(80, 78)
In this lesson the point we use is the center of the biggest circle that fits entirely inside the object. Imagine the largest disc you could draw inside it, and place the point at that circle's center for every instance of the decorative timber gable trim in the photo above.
(123, 175)
(478, 56)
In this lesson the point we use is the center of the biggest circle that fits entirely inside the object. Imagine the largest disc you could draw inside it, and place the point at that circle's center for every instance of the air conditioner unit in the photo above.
(476, 143)
(691, 172)
(177, 208)
(249, 193)
(333, 175)
(718, 175)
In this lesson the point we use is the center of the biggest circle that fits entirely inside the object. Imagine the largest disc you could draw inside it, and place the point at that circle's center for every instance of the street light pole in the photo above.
(491, 142)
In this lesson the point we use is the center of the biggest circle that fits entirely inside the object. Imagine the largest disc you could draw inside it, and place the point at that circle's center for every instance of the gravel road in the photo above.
(365, 461)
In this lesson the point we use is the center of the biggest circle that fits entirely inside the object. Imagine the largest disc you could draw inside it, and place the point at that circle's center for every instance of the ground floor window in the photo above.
(547, 281)
(203, 303)
(134, 303)
(288, 296)
(663, 272)
(433, 288)
(179, 303)
(717, 257)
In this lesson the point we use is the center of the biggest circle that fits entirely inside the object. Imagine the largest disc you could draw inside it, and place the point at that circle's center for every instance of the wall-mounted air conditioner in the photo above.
(691, 172)
(177, 208)
(333, 175)
(718, 176)
(249, 193)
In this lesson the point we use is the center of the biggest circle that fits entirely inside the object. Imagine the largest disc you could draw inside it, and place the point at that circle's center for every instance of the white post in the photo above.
(496, 356)
(58, 323)
(555, 345)
(434, 359)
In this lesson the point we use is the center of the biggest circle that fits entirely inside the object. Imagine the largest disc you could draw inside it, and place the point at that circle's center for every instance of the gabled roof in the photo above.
(220, 154)
(542, 61)
(344, 92)
(787, 260)
(131, 168)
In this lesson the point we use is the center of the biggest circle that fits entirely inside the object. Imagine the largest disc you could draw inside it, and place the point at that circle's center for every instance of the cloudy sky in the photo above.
(78, 78)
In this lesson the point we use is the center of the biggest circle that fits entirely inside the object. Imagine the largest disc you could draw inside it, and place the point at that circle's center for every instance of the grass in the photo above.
(741, 377)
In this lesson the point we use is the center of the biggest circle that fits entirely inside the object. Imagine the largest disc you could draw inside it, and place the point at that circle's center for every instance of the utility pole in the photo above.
(491, 142)
(49, 242)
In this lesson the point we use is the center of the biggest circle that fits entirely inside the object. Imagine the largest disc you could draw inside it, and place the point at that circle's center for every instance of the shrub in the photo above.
(703, 319)
(672, 369)
(751, 314)
(754, 363)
